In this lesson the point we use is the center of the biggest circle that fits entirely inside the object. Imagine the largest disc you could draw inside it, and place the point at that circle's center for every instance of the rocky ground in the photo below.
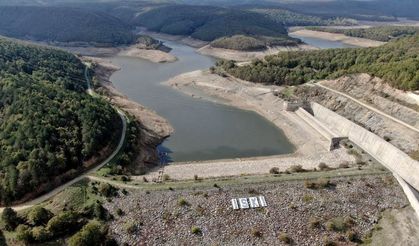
(204, 216)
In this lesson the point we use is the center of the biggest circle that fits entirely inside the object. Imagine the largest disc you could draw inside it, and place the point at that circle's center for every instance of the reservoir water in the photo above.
(203, 130)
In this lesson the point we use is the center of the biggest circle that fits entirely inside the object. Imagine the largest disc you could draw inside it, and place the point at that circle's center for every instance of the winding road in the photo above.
(86, 173)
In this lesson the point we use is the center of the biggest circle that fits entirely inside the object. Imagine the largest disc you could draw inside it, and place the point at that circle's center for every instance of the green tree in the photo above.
(92, 234)
(9, 218)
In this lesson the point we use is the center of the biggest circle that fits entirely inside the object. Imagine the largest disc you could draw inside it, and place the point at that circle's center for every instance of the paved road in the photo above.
(370, 107)
(87, 172)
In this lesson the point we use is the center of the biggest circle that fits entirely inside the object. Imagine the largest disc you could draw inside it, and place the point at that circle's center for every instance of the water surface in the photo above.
(203, 130)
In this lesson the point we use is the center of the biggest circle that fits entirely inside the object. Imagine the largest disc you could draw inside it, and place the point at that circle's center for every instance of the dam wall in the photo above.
(387, 154)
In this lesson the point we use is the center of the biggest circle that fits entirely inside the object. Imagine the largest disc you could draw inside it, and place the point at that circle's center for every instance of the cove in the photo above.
(204, 130)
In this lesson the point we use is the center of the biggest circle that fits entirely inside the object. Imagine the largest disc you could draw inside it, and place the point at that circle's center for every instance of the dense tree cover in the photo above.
(48, 124)
(92, 234)
(379, 33)
(206, 22)
(396, 62)
(63, 24)
(248, 43)
(290, 18)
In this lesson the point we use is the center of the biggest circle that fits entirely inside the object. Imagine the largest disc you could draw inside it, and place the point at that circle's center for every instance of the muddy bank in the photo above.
(361, 42)
(154, 128)
(243, 56)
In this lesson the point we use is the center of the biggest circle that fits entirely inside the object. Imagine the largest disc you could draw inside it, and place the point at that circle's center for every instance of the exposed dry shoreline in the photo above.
(154, 128)
(361, 42)
(243, 56)
(156, 56)
(310, 150)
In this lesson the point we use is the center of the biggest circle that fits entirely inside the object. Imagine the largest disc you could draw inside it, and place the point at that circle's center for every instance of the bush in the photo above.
(119, 212)
(39, 216)
(340, 224)
(323, 167)
(63, 223)
(166, 177)
(321, 183)
(9, 218)
(283, 237)
(23, 233)
(256, 233)
(352, 236)
(107, 190)
(296, 169)
(196, 230)
(40, 234)
(182, 202)
(328, 242)
(314, 223)
(130, 227)
(344, 165)
(93, 233)
(274, 170)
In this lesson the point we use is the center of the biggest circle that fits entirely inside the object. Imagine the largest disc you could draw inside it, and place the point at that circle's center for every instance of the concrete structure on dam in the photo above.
(404, 168)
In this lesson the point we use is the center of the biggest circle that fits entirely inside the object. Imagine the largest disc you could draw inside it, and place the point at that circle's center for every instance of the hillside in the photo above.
(396, 62)
(49, 126)
(63, 24)
(248, 43)
(379, 33)
(206, 22)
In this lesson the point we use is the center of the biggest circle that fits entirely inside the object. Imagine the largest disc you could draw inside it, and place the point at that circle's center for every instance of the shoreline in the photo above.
(309, 145)
(154, 128)
(361, 42)
(245, 56)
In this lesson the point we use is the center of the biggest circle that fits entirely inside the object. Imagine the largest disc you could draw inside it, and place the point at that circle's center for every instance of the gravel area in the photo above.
(166, 217)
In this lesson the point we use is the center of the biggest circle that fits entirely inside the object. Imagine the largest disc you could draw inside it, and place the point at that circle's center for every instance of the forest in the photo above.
(249, 43)
(64, 24)
(396, 62)
(49, 126)
(379, 33)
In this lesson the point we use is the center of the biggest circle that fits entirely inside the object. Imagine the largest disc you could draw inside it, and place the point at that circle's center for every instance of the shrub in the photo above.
(182, 202)
(9, 218)
(23, 233)
(352, 236)
(344, 165)
(283, 237)
(274, 170)
(328, 242)
(166, 177)
(296, 169)
(39, 216)
(196, 230)
(307, 198)
(321, 183)
(323, 167)
(314, 223)
(40, 234)
(387, 138)
(256, 233)
(93, 233)
(107, 190)
(340, 224)
(63, 223)
(119, 212)
(196, 178)
(130, 227)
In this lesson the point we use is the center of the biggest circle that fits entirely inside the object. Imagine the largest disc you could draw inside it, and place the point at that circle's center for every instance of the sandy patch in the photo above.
(243, 56)
(156, 56)
(361, 42)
